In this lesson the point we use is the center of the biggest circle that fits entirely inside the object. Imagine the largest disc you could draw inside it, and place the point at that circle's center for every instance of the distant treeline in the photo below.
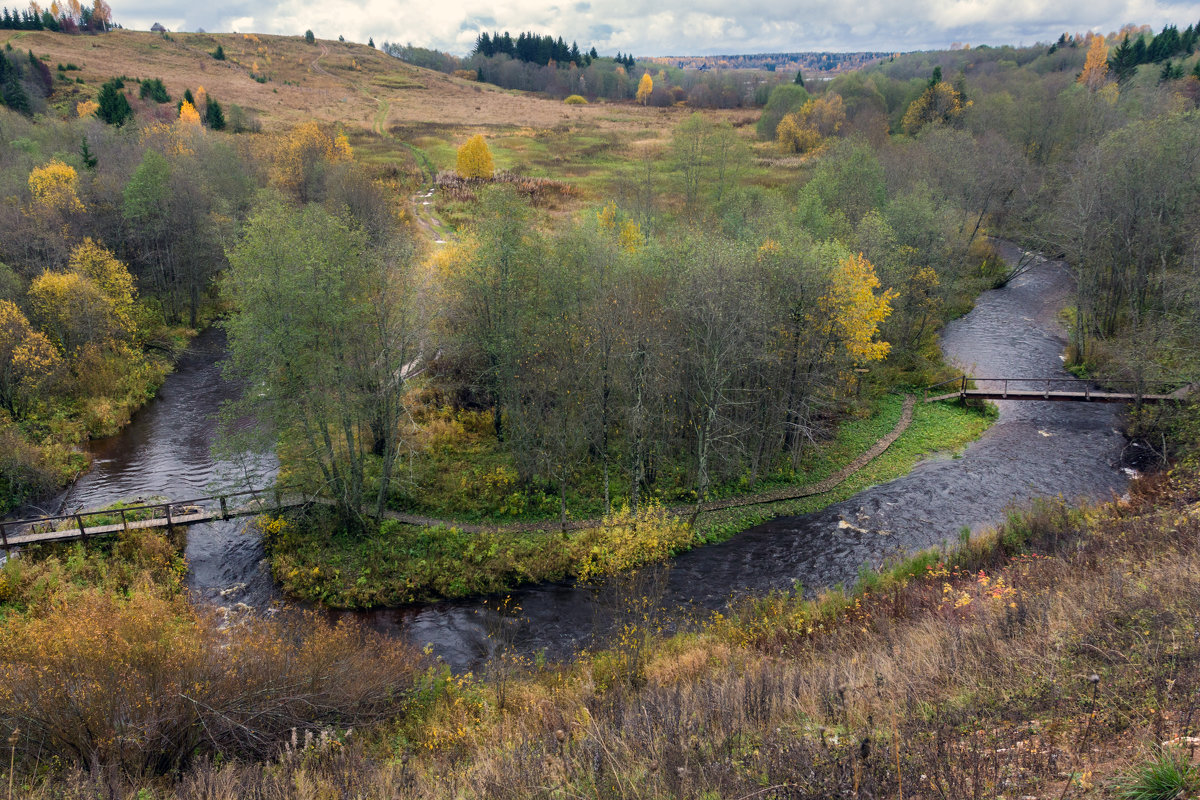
(784, 62)
(74, 18)
(593, 76)
(1132, 53)
(534, 49)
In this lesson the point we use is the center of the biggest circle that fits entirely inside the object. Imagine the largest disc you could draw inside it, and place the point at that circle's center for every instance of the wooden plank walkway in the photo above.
(1051, 389)
(71, 527)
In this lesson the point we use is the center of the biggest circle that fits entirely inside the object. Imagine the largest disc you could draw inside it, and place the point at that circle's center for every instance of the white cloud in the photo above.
(674, 27)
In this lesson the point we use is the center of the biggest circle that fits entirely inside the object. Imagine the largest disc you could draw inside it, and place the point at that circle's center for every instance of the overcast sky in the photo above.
(670, 27)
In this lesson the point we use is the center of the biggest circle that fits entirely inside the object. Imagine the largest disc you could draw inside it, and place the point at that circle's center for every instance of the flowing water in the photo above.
(1034, 449)
(166, 451)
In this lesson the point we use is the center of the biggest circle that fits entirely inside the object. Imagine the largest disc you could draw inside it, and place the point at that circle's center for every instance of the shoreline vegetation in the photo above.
(402, 563)
(1032, 652)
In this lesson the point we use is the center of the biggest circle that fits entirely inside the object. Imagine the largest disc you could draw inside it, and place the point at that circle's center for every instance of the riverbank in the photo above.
(1054, 656)
(403, 563)
(47, 448)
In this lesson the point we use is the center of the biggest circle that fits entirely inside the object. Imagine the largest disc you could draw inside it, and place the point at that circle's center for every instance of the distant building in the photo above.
(158, 28)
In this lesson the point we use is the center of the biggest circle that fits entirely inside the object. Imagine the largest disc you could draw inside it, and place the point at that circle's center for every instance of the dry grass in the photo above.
(1048, 674)
(327, 81)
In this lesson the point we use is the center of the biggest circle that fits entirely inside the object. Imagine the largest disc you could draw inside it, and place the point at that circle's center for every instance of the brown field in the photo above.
(330, 81)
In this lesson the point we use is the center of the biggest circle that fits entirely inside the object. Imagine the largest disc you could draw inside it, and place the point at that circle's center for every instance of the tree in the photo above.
(114, 106)
(188, 115)
(1095, 68)
(645, 87)
(55, 188)
(784, 99)
(214, 117)
(940, 102)
(490, 293)
(324, 332)
(219, 53)
(303, 157)
(95, 262)
(26, 359)
(475, 159)
(799, 80)
(371, 42)
(308, 37)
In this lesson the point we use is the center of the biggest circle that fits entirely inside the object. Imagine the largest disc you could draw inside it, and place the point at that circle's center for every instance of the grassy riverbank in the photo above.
(403, 563)
(1053, 657)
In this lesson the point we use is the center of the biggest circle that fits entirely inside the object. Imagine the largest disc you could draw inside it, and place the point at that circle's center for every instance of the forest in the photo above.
(589, 330)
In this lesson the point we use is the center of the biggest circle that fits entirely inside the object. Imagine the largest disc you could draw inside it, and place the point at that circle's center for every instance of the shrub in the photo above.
(626, 540)
(575, 100)
(145, 683)
(154, 90)
(219, 53)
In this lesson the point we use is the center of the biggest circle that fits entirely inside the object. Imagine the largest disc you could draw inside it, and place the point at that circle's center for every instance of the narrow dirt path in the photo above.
(775, 495)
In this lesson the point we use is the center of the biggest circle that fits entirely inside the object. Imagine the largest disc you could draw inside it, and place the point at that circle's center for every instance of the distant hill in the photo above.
(815, 63)
(282, 80)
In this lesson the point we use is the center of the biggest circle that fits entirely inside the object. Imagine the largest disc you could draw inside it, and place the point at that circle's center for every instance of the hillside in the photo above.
(328, 80)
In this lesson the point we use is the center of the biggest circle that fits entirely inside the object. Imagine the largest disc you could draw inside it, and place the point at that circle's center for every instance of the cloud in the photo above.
(674, 27)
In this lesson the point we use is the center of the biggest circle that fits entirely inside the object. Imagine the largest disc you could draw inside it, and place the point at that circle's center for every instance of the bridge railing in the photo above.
(1002, 385)
(168, 511)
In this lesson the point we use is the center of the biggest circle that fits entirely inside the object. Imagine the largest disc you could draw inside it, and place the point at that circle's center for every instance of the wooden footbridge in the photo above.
(1072, 390)
(168, 514)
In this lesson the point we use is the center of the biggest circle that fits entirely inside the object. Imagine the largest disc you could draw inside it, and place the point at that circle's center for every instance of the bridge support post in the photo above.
(224, 508)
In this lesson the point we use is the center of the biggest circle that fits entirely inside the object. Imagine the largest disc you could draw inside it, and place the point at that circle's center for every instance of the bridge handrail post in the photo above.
(4, 536)
(962, 391)
(124, 521)
(224, 507)
(170, 523)
(82, 530)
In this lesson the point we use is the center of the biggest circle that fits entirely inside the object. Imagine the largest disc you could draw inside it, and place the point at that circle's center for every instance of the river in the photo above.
(1034, 449)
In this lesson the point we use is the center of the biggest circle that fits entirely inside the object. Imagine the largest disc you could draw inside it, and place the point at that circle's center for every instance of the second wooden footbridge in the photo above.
(1074, 390)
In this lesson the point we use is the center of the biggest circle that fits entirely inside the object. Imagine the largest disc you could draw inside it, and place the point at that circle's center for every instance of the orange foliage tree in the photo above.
(1095, 68)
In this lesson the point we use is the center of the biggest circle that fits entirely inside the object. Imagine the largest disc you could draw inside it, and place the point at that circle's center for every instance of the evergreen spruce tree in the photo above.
(114, 107)
(214, 117)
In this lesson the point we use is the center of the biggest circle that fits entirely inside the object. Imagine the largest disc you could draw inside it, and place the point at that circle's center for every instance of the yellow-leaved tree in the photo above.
(301, 157)
(804, 129)
(188, 115)
(55, 187)
(645, 87)
(475, 159)
(92, 304)
(940, 102)
(851, 311)
(97, 263)
(1095, 68)
(26, 359)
